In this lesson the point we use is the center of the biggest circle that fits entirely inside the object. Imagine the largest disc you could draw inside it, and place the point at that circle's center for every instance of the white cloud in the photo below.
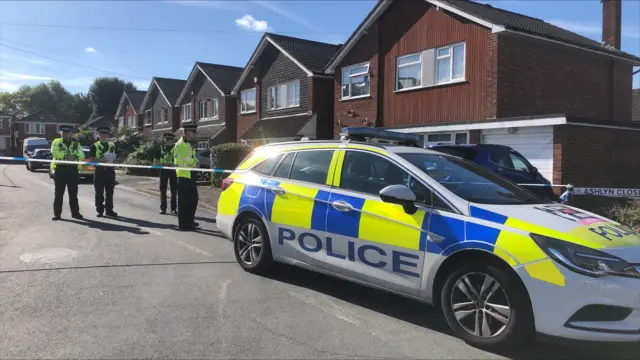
(8, 75)
(7, 86)
(593, 28)
(248, 22)
(289, 15)
(91, 50)
(23, 59)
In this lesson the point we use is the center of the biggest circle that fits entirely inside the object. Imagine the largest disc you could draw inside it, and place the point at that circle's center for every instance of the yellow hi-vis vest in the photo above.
(166, 155)
(59, 150)
(100, 149)
(184, 156)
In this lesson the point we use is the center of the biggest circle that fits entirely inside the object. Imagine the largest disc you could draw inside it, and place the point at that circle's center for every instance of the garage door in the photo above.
(534, 143)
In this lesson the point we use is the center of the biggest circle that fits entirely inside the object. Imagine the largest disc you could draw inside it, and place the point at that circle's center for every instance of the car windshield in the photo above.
(31, 148)
(470, 181)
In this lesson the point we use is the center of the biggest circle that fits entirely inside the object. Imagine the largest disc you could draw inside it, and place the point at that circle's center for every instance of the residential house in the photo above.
(464, 72)
(127, 114)
(103, 121)
(160, 114)
(206, 101)
(635, 107)
(5, 134)
(41, 124)
(282, 92)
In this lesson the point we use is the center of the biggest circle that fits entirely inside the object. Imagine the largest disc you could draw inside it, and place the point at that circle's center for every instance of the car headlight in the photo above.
(584, 260)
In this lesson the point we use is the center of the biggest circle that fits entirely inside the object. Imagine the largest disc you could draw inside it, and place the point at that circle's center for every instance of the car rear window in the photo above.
(465, 153)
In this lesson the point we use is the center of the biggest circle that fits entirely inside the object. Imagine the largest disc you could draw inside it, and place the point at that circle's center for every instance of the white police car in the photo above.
(500, 262)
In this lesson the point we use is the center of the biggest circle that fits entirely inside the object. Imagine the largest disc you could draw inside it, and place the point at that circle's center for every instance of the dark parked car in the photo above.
(44, 154)
(504, 161)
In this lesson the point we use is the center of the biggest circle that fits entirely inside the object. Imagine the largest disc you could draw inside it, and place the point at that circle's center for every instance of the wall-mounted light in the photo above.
(255, 79)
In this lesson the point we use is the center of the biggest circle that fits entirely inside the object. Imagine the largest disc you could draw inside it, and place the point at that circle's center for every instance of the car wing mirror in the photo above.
(400, 195)
(534, 170)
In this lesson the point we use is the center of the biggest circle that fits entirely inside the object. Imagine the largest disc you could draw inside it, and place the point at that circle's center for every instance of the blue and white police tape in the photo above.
(93, 163)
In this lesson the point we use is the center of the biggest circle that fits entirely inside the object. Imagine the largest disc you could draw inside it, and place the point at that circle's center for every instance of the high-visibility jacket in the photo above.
(100, 150)
(59, 150)
(184, 155)
(166, 155)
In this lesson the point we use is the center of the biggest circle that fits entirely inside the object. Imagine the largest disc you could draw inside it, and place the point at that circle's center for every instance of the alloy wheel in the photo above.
(480, 305)
(249, 243)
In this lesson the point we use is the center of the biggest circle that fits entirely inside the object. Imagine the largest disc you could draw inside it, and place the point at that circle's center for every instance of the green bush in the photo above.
(127, 142)
(84, 136)
(143, 154)
(226, 156)
(626, 213)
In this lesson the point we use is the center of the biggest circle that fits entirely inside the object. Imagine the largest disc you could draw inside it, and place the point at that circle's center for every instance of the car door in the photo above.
(296, 201)
(368, 239)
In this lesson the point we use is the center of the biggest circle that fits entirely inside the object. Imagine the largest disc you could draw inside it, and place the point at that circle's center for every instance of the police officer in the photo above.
(66, 175)
(184, 156)
(168, 177)
(104, 180)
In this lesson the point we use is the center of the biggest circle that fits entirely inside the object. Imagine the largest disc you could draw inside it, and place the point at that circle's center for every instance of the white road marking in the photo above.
(49, 255)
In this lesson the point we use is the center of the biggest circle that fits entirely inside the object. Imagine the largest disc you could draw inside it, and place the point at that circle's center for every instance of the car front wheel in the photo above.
(487, 307)
(251, 245)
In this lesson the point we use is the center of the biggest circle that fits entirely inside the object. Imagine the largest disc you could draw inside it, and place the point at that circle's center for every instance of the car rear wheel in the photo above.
(487, 307)
(251, 245)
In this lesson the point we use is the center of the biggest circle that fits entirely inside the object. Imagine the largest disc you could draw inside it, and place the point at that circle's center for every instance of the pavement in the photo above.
(134, 287)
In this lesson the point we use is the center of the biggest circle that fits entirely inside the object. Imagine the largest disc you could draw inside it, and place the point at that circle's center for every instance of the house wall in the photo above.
(130, 111)
(322, 101)
(245, 121)
(160, 103)
(205, 90)
(536, 77)
(278, 69)
(231, 118)
(50, 132)
(4, 125)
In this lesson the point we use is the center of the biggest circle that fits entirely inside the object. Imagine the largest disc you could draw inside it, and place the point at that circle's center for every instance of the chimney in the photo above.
(611, 22)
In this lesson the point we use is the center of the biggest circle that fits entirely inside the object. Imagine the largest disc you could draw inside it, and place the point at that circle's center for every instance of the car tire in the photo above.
(509, 301)
(248, 230)
(27, 166)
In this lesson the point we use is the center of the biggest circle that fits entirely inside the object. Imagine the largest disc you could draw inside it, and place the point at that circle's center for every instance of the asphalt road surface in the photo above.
(134, 287)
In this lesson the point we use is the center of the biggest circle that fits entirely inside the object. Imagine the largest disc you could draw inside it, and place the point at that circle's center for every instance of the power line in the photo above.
(74, 64)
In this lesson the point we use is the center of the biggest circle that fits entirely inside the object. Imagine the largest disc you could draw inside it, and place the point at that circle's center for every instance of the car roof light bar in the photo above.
(366, 134)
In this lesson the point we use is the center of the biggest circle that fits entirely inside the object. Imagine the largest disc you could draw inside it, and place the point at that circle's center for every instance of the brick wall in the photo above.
(536, 77)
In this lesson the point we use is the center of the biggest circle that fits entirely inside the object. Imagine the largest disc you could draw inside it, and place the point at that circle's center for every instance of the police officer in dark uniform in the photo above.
(104, 180)
(168, 177)
(66, 175)
(184, 156)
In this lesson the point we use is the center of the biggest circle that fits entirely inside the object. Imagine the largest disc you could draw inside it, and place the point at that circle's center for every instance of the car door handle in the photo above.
(342, 206)
(277, 190)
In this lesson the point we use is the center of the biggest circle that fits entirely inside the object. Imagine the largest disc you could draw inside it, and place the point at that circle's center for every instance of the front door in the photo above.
(369, 239)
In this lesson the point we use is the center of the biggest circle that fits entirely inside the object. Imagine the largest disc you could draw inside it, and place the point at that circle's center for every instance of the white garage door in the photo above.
(534, 143)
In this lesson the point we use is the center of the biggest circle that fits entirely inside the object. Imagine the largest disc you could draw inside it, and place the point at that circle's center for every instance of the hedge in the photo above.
(226, 156)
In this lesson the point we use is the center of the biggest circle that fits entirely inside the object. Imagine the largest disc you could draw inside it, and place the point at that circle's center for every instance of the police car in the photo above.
(501, 262)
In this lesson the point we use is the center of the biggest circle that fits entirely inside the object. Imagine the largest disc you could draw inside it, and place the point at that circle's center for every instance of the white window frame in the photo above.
(183, 110)
(367, 64)
(35, 128)
(160, 116)
(215, 110)
(148, 120)
(206, 115)
(282, 95)
(243, 101)
(200, 144)
(398, 67)
(452, 135)
(121, 121)
(451, 62)
(4, 141)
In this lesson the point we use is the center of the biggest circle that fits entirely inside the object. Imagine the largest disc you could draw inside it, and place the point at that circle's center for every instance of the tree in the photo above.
(84, 136)
(80, 108)
(105, 93)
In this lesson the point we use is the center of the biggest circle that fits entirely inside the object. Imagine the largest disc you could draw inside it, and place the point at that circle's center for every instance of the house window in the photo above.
(355, 81)
(203, 109)
(214, 108)
(446, 138)
(147, 117)
(203, 145)
(132, 121)
(450, 61)
(409, 68)
(284, 95)
(248, 101)
(121, 121)
(34, 129)
(185, 112)
(159, 116)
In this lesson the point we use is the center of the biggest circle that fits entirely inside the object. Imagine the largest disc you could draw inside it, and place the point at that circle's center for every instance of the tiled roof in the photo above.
(635, 105)
(135, 97)
(311, 54)
(277, 128)
(171, 88)
(224, 76)
(42, 116)
(530, 25)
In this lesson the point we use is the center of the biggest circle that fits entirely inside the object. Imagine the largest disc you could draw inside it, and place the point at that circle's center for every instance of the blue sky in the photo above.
(81, 40)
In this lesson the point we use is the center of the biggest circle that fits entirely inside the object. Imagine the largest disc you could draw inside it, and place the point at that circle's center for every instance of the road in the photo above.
(134, 287)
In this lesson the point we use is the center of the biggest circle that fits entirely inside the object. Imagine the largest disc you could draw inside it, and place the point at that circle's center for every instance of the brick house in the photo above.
(5, 134)
(158, 108)
(283, 94)
(464, 72)
(40, 124)
(127, 113)
(206, 101)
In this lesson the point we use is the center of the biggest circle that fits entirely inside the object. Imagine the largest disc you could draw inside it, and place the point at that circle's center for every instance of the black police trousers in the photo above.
(168, 177)
(104, 182)
(65, 178)
(187, 202)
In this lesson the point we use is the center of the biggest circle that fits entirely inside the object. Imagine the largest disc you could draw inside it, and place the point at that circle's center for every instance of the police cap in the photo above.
(66, 128)
(168, 136)
(193, 128)
(104, 130)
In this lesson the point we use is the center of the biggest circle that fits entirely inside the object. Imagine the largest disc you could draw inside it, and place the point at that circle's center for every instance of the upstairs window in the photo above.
(214, 108)
(355, 81)
(284, 95)
(450, 62)
(121, 121)
(159, 116)
(34, 128)
(248, 101)
(435, 66)
(185, 112)
(147, 117)
(204, 109)
(409, 71)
